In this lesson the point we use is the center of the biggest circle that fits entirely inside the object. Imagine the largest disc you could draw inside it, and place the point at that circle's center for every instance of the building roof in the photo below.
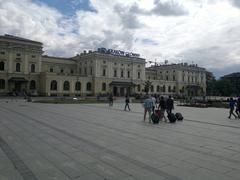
(16, 38)
(233, 75)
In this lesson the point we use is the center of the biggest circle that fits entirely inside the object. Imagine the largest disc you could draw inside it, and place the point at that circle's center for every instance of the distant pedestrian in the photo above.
(110, 100)
(162, 107)
(127, 101)
(238, 107)
(232, 104)
(169, 105)
(148, 105)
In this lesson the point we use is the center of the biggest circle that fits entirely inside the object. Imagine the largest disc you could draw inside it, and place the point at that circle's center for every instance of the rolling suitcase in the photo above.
(155, 118)
(172, 118)
(159, 113)
(179, 116)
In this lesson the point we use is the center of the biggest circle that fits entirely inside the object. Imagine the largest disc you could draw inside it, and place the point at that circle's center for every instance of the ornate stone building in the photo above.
(23, 67)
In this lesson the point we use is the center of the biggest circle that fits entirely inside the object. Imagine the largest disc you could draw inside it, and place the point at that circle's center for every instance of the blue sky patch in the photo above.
(67, 7)
(149, 41)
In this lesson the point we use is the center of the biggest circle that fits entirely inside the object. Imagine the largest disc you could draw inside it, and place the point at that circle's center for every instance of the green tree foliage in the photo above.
(222, 87)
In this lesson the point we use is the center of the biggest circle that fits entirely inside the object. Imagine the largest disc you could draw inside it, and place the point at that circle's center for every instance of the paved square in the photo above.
(83, 141)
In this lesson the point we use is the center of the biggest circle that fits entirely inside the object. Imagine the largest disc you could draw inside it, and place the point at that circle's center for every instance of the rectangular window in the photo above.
(2, 52)
(33, 56)
(51, 69)
(18, 54)
(128, 74)
(18, 59)
(85, 71)
(90, 70)
(173, 78)
(121, 73)
(139, 75)
(104, 72)
(115, 73)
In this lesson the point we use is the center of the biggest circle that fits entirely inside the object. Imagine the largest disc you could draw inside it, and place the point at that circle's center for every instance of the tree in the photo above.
(147, 86)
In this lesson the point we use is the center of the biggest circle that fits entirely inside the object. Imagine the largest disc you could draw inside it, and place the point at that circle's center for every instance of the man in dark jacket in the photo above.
(127, 101)
(169, 105)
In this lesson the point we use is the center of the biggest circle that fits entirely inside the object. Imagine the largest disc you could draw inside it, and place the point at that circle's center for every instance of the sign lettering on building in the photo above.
(118, 52)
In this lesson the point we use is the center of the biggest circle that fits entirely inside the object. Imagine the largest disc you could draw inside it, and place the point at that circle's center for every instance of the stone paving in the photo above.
(95, 142)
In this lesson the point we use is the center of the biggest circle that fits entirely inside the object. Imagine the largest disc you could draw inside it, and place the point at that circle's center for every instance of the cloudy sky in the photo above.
(203, 32)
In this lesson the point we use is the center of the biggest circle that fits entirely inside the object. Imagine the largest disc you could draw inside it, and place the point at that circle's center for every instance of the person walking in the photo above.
(127, 101)
(110, 100)
(162, 107)
(148, 105)
(238, 107)
(169, 105)
(232, 103)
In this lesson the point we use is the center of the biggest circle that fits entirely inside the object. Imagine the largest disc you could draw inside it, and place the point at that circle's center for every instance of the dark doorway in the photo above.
(128, 91)
(122, 91)
(17, 86)
(115, 91)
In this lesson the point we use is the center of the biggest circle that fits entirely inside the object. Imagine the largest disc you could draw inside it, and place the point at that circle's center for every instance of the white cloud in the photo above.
(203, 31)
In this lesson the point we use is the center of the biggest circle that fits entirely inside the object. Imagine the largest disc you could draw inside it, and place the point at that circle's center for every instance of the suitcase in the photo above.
(172, 118)
(155, 118)
(159, 113)
(179, 116)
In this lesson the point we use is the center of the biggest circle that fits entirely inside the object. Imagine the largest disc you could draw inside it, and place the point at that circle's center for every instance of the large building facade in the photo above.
(24, 68)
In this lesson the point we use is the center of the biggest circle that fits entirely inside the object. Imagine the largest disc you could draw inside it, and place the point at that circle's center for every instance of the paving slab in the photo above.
(95, 141)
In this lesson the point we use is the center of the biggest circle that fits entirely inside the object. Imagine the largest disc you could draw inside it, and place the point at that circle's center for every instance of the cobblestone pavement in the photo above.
(95, 142)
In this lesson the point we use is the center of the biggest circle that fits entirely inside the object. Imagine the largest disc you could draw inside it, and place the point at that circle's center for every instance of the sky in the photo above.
(203, 32)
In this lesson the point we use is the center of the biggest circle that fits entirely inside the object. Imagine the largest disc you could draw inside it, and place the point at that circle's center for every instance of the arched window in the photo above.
(139, 88)
(54, 85)
(33, 68)
(2, 66)
(103, 86)
(78, 86)
(89, 86)
(158, 88)
(174, 88)
(18, 67)
(2, 84)
(169, 88)
(32, 84)
(152, 88)
(66, 86)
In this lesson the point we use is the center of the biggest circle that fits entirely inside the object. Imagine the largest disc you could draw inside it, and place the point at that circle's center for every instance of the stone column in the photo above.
(26, 66)
(10, 62)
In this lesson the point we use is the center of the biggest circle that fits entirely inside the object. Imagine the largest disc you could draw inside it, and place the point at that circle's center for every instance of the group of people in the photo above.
(152, 103)
(234, 104)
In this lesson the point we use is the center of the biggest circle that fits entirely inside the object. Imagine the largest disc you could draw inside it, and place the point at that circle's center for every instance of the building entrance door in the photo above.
(17, 86)
(115, 91)
(122, 91)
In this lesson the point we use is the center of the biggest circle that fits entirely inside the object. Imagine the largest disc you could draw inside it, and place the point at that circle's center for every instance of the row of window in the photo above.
(159, 88)
(66, 86)
(166, 77)
(122, 73)
(18, 67)
(32, 84)
(18, 54)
